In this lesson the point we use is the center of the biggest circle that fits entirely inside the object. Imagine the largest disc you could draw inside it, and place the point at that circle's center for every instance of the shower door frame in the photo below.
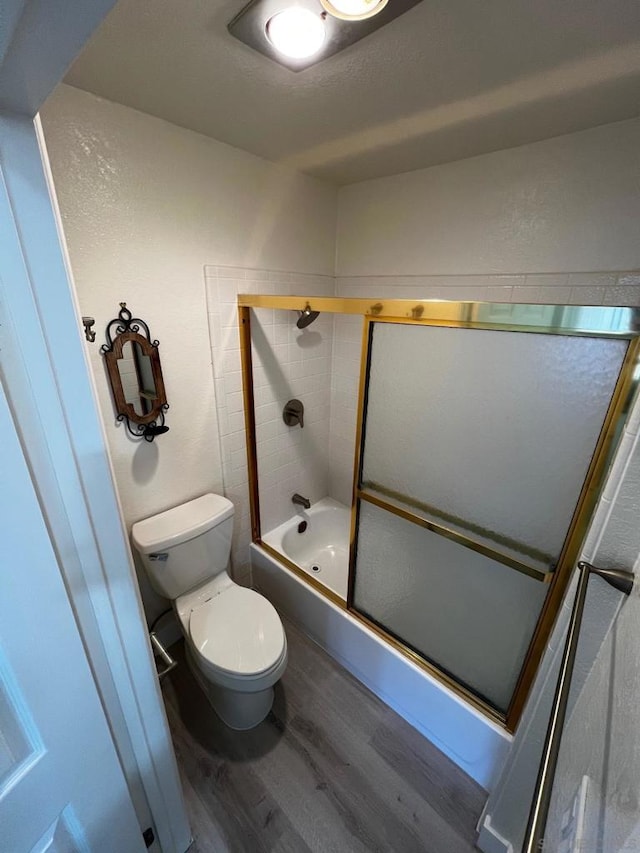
(612, 322)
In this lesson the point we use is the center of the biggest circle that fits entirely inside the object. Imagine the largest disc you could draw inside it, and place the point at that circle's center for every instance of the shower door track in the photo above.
(607, 322)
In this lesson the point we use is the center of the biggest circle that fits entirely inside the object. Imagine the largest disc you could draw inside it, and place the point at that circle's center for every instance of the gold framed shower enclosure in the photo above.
(583, 321)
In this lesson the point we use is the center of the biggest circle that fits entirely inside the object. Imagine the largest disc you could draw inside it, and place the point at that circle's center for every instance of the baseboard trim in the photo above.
(490, 841)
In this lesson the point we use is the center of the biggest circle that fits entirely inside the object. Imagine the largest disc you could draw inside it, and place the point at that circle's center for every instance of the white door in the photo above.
(62, 789)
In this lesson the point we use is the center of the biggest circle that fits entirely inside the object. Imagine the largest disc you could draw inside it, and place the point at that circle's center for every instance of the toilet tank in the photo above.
(187, 545)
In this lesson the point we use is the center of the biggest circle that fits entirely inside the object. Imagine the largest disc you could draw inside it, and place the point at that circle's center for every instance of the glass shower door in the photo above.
(475, 447)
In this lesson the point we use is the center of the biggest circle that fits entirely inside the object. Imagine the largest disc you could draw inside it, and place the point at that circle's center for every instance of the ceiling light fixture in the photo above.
(296, 32)
(353, 10)
(300, 33)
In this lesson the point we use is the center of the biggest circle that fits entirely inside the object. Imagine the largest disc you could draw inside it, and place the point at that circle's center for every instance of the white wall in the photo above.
(569, 204)
(145, 205)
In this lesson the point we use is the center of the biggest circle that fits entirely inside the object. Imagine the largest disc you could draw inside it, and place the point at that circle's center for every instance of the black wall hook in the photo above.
(89, 323)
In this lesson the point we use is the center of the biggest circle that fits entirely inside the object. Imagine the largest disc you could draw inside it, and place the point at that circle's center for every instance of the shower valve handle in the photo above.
(293, 413)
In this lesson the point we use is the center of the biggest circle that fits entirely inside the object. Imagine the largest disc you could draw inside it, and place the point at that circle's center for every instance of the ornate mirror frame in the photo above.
(122, 329)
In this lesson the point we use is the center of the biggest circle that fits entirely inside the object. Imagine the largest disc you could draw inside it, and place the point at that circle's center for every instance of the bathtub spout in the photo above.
(300, 501)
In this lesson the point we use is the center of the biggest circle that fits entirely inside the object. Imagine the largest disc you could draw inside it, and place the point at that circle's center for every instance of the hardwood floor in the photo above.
(330, 770)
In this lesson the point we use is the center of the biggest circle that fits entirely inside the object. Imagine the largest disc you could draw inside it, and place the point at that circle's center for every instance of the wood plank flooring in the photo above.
(331, 770)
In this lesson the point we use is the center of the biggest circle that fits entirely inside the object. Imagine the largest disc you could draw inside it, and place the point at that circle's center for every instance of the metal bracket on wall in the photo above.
(617, 578)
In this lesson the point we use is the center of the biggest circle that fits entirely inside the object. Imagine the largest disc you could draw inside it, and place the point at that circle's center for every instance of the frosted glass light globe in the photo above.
(353, 10)
(296, 32)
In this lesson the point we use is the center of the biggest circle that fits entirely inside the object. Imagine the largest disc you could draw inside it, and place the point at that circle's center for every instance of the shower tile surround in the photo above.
(323, 464)
(288, 362)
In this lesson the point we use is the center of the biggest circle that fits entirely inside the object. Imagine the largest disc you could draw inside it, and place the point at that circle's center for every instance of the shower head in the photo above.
(306, 317)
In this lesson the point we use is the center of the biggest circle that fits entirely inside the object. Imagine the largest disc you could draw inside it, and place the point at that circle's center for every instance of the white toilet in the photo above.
(236, 645)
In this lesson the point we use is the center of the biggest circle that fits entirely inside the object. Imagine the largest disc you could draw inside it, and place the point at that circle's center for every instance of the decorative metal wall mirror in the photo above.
(135, 374)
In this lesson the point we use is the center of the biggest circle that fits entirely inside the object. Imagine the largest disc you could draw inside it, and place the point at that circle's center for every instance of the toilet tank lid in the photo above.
(181, 523)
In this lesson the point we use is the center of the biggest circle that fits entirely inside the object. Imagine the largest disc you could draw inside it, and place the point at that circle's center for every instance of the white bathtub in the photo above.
(322, 549)
(472, 741)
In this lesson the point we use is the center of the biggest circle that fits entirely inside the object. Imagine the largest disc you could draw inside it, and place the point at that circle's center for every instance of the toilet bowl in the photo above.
(236, 649)
(235, 643)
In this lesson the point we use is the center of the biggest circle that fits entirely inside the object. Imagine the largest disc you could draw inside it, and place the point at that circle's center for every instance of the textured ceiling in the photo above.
(448, 79)
(9, 18)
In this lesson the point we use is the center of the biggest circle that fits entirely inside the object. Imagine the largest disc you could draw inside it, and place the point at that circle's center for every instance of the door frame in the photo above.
(53, 399)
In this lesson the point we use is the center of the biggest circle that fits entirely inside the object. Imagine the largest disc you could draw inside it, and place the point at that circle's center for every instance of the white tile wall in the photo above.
(287, 363)
(320, 366)
(608, 288)
(291, 363)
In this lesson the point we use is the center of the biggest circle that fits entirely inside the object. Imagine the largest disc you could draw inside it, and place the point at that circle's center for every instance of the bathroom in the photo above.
(161, 213)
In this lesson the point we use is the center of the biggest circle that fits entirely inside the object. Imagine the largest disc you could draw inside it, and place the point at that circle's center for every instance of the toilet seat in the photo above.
(238, 634)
